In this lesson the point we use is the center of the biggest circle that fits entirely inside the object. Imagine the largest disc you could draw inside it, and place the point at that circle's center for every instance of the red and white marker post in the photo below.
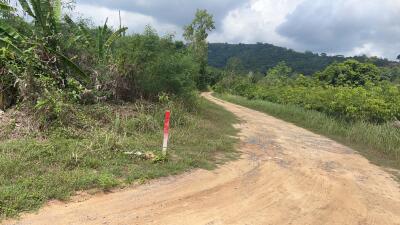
(166, 131)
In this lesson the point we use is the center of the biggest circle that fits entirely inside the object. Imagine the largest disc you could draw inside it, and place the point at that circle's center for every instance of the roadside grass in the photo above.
(109, 150)
(378, 143)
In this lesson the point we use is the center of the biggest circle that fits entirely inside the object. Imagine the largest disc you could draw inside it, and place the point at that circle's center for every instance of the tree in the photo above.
(262, 57)
(277, 75)
(234, 66)
(281, 70)
(196, 35)
(398, 57)
(350, 73)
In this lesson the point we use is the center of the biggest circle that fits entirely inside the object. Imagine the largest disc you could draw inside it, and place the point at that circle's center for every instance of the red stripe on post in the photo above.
(166, 121)
(166, 130)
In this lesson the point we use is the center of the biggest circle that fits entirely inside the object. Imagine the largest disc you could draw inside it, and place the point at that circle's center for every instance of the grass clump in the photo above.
(105, 146)
(378, 142)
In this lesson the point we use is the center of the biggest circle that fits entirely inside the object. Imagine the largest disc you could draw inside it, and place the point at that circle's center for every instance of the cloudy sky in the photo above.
(349, 27)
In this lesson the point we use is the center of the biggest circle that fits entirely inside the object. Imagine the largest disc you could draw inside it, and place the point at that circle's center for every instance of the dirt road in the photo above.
(286, 175)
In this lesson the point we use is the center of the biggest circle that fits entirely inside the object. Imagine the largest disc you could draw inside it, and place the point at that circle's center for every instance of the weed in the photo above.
(91, 151)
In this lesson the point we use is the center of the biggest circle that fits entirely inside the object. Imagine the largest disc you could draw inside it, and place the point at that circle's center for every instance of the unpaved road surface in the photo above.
(286, 175)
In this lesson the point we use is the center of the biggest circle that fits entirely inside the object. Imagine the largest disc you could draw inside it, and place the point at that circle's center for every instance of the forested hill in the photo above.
(261, 57)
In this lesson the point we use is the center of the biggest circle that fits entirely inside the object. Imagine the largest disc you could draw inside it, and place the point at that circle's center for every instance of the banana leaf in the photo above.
(5, 7)
(115, 36)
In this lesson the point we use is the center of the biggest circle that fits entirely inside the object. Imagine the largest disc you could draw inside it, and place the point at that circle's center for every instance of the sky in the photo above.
(346, 27)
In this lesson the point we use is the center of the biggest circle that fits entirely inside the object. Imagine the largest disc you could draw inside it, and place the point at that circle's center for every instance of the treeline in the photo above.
(262, 57)
(53, 60)
(349, 90)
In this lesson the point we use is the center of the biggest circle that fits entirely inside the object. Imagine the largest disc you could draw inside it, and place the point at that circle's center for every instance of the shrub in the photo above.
(150, 65)
(373, 101)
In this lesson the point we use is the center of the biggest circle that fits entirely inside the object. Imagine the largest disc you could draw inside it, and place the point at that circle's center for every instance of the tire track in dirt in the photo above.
(286, 175)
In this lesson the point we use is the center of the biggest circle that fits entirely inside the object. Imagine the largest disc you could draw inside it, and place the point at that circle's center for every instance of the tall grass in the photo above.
(379, 143)
(107, 148)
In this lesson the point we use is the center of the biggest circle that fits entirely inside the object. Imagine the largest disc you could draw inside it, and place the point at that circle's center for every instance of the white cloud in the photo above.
(179, 12)
(332, 26)
(346, 26)
(136, 22)
(256, 21)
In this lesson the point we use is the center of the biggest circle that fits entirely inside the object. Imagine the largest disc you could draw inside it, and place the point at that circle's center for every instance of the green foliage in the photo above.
(234, 66)
(37, 50)
(391, 73)
(105, 38)
(6, 82)
(107, 65)
(350, 73)
(107, 181)
(5, 7)
(196, 34)
(95, 151)
(47, 16)
(151, 65)
(262, 57)
(51, 66)
(351, 91)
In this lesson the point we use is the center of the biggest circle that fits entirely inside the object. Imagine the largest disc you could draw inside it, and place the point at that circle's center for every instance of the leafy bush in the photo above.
(351, 91)
(90, 63)
(149, 65)
(350, 73)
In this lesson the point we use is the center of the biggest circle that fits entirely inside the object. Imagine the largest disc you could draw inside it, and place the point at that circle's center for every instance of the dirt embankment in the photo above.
(286, 175)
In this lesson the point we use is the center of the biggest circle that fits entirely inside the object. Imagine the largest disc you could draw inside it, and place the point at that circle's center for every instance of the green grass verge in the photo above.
(379, 143)
(35, 170)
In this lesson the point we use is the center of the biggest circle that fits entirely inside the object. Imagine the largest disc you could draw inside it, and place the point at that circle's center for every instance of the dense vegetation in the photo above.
(349, 92)
(262, 57)
(84, 105)
(55, 60)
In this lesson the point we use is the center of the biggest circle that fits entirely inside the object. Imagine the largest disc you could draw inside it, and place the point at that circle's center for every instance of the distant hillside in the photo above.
(261, 57)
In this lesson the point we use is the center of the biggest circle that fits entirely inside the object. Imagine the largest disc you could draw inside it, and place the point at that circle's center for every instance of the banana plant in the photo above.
(81, 33)
(105, 41)
(46, 15)
(9, 38)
